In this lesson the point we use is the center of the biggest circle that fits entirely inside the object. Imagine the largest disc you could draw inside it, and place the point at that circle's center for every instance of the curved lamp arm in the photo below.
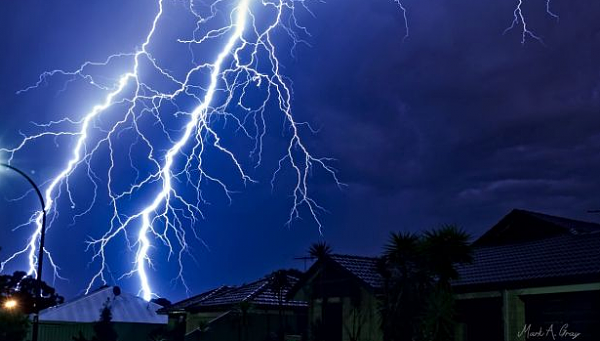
(35, 330)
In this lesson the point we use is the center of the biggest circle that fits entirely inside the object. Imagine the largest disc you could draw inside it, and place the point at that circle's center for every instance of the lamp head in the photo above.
(10, 304)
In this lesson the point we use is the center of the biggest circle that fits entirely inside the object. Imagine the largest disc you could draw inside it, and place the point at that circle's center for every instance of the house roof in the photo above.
(574, 226)
(182, 305)
(125, 308)
(363, 268)
(563, 256)
(551, 250)
(522, 225)
(259, 292)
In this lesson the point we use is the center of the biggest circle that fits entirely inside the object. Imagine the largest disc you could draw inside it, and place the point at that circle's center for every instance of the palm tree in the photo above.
(404, 279)
(417, 300)
(445, 248)
(320, 250)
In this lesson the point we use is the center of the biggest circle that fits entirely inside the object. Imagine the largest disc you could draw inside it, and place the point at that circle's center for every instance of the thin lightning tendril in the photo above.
(519, 20)
(404, 16)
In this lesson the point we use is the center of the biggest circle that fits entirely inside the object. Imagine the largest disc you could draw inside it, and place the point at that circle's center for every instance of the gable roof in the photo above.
(259, 292)
(360, 268)
(521, 225)
(558, 259)
(125, 308)
(363, 268)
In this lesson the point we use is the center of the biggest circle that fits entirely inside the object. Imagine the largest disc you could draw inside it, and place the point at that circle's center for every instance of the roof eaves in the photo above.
(182, 306)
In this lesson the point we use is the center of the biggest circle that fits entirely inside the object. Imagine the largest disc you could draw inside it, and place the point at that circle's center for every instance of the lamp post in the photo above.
(36, 309)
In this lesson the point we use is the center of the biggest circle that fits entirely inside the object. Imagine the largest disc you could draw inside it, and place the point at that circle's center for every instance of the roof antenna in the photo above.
(305, 258)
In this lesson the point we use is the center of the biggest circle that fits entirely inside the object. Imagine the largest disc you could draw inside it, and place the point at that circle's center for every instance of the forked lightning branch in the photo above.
(246, 63)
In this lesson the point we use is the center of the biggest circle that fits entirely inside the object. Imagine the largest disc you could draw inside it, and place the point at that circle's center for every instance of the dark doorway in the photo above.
(481, 319)
(332, 321)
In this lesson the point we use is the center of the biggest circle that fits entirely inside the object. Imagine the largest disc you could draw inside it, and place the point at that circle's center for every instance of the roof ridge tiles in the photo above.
(257, 291)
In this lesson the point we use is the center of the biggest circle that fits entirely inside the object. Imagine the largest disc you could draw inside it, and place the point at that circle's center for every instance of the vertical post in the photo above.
(38, 299)
(513, 309)
(506, 315)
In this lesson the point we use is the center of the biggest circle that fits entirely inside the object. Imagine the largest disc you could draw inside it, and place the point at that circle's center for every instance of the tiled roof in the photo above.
(125, 308)
(563, 256)
(259, 293)
(239, 294)
(364, 268)
(181, 305)
(551, 258)
(266, 296)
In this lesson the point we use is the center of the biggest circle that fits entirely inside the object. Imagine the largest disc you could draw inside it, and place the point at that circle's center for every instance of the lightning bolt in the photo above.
(245, 64)
(404, 16)
(519, 20)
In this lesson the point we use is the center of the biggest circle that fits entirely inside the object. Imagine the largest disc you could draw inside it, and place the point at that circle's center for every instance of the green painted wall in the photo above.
(365, 316)
(361, 322)
(64, 331)
(256, 327)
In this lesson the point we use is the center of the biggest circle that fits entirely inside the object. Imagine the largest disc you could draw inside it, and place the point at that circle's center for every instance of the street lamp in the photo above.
(36, 308)
(10, 304)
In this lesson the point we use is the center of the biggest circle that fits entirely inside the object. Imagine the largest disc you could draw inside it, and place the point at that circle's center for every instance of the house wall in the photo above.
(340, 289)
(361, 322)
(65, 331)
(573, 312)
(197, 320)
(257, 326)
(511, 315)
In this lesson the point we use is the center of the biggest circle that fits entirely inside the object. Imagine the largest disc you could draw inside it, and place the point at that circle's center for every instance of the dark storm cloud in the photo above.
(459, 117)
(456, 124)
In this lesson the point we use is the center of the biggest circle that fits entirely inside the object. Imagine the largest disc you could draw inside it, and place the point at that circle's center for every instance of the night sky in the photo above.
(456, 124)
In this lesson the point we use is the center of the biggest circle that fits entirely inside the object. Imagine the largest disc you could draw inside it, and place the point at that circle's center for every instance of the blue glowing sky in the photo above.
(458, 123)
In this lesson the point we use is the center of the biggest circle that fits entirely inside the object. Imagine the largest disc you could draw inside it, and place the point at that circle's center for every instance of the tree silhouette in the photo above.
(24, 289)
(103, 328)
(319, 250)
(417, 301)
